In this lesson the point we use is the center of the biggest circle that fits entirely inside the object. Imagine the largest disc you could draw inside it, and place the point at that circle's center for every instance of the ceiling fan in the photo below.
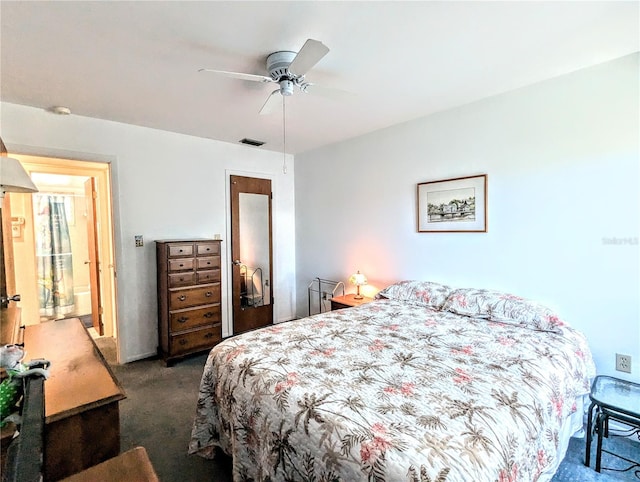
(288, 69)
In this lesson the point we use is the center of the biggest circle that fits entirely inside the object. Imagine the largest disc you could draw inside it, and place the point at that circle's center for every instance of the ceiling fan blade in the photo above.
(240, 75)
(271, 103)
(310, 54)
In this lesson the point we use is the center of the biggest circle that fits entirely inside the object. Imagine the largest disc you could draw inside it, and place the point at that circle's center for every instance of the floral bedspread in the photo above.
(390, 391)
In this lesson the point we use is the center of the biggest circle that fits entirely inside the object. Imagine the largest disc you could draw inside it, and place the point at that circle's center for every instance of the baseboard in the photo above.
(143, 356)
(284, 320)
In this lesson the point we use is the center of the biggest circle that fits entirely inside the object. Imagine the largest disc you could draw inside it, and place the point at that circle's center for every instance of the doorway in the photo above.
(251, 252)
(78, 194)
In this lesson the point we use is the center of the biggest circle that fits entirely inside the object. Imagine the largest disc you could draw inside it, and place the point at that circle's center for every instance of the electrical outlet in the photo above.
(139, 241)
(623, 363)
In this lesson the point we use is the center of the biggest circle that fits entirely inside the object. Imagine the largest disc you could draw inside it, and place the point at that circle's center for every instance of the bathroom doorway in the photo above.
(63, 245)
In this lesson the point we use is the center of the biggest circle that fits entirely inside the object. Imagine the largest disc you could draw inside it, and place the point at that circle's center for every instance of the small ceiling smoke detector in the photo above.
(251, 142)
(58, 109)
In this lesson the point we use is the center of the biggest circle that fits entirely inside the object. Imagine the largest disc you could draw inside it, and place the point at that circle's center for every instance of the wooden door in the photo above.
(251, 252)
(7, 273)
(10, 314)
(90, 194)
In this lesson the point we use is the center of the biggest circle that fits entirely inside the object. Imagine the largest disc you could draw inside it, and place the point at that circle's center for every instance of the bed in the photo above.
(425, 383)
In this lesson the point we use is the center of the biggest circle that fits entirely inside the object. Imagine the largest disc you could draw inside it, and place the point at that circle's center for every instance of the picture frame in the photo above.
(457, 205)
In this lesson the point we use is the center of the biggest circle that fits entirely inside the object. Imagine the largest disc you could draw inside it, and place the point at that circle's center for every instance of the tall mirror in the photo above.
(254, 250)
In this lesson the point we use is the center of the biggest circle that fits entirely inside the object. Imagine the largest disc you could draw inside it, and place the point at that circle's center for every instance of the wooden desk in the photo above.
(82, 418)
(131, 466)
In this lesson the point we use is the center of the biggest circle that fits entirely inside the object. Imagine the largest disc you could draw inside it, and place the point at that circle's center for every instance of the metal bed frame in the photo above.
(323, 290)
(250, 278)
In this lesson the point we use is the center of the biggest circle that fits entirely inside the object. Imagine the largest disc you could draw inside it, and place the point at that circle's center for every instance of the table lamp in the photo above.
(358, 279)
(13, 177)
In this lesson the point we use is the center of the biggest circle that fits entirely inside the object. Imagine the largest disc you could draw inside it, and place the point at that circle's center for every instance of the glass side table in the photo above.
(615, 399)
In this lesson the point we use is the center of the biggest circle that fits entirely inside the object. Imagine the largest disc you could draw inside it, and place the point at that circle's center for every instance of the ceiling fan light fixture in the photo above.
(286, 87)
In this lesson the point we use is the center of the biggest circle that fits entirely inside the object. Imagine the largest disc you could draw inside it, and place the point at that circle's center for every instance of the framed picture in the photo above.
(453, 205)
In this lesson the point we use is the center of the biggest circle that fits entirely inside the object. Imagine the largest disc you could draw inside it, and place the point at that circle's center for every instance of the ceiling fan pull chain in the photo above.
(284, 138)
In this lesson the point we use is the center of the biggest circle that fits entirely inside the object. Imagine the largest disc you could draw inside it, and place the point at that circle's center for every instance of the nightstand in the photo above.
(347, 301)
(617, 400)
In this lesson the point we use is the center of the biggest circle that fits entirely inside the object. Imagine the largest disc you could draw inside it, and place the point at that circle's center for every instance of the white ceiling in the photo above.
(137, 62)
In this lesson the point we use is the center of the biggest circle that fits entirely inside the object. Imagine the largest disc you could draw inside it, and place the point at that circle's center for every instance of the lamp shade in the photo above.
(13, 177)
(358, 279)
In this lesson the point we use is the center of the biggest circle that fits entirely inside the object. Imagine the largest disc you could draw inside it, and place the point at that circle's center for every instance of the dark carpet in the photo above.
(160, 405)
(158, 413)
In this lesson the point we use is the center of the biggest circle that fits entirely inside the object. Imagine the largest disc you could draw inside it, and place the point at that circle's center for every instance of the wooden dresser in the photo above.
(189, 312)
(82, 416)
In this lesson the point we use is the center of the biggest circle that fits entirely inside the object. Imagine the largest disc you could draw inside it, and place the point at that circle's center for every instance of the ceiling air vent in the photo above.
(251, 142)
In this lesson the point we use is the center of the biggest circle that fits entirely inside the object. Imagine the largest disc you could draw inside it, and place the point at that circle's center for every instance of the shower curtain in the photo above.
(53, 255)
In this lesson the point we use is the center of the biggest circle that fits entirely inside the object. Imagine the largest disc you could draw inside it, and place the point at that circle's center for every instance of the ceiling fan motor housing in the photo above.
(278, 65)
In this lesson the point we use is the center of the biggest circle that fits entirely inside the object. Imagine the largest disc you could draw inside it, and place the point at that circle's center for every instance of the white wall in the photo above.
(165, 185)
(562, 159)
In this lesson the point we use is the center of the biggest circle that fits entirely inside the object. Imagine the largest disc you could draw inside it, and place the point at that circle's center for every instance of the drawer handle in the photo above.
(209, 294)
(209, 335)
(180, 251)
(183, 319)
(181, 265)
(182, 297)
(183, 341)
(208, 263)
(209, 314)
(208, 249)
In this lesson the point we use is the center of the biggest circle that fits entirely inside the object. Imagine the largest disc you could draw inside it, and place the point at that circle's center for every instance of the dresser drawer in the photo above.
(176, 280)
(180, 250)
(203, 338)
(186, 298)
(208, 276)
(208, 262)
(183, 264)
(186, 319)
(204, 249)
